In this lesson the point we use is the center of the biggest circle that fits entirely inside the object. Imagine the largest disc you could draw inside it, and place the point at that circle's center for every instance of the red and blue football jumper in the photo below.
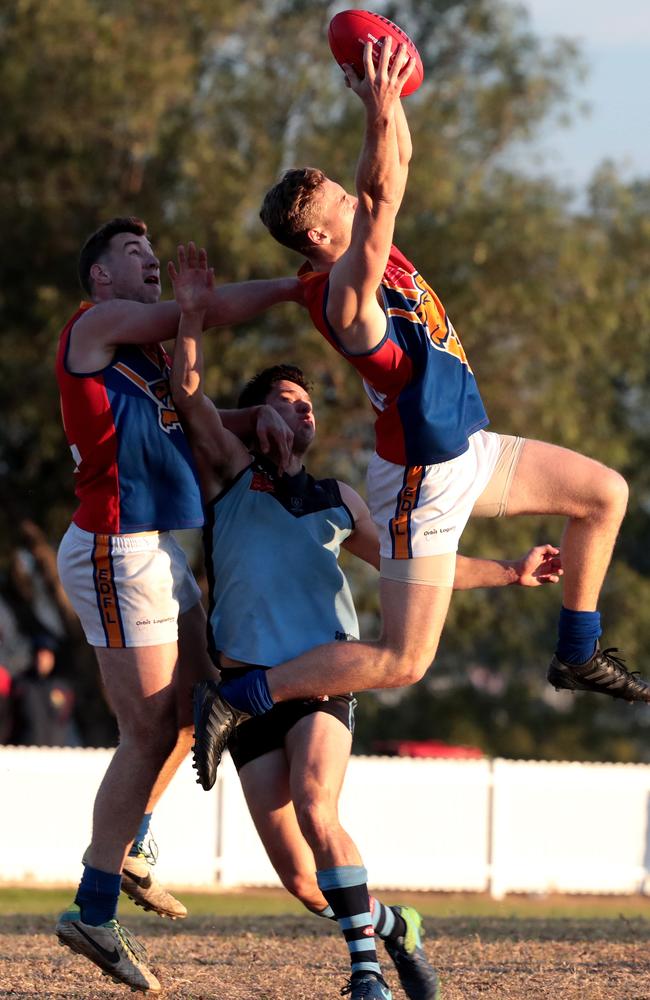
(134, 467)
(417, 378)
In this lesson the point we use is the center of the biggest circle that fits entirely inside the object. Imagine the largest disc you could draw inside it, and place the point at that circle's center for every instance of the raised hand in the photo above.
(193, 280)
(384, 80)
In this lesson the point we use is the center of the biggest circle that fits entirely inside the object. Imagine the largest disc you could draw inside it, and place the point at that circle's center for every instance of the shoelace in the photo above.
(148, 848)
(364, 987)
(138, 950)
(619, 661)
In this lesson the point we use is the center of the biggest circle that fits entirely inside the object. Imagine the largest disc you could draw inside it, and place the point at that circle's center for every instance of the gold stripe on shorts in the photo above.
(107, 602)
(400, 525)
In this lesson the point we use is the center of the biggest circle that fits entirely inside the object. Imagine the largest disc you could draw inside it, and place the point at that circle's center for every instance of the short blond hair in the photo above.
(288, 210)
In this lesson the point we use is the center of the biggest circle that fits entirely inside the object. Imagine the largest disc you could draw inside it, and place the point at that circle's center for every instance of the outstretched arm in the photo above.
(352, 307)
(122, 321)
(219, 455)
(540, 565)
(243, 300)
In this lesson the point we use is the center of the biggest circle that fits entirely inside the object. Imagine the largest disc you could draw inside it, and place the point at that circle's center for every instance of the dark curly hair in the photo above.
(257, 389)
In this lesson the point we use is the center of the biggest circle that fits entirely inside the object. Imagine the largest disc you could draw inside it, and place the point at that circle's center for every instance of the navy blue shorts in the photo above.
(264, 733)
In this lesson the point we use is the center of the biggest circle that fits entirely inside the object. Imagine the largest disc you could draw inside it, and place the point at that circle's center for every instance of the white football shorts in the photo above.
(421, 510)
(128, 590)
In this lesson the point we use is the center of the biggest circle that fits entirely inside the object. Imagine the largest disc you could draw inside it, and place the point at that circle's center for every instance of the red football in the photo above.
(351, 29)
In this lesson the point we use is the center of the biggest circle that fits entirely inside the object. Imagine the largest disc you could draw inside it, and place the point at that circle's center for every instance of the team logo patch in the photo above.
(426, 310)
(159, 392)
(262, 483)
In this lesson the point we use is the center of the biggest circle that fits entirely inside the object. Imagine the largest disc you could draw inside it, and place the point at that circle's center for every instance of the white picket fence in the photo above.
(480, 825)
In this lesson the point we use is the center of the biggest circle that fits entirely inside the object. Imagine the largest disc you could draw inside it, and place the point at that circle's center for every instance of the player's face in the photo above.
(294, 406)
(133, 267)
(336, 208)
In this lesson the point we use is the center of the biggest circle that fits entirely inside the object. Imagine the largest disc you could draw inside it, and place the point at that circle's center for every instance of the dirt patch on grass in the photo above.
(298, 958)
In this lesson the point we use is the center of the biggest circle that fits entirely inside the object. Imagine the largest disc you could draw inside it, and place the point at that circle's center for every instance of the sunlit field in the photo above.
(253, 945)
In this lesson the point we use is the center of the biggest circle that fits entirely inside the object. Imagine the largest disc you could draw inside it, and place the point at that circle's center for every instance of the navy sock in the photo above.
(388, 924)
(139, 838)
(578, 633)
(346, 890)
(97, 895)
(248, 693)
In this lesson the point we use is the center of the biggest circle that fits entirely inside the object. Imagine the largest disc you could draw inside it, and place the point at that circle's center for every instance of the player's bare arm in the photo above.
(404, 142)
(261, 428)
(120, 321)
(540, 565)
(218, 453)
(363, 542)
(353, 308)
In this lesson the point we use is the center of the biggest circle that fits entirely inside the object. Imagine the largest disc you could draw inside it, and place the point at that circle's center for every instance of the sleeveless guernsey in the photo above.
(134, 470)
(260, 535)
(418, 378)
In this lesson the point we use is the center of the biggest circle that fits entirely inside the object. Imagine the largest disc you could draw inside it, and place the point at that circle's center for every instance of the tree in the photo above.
(185, 116)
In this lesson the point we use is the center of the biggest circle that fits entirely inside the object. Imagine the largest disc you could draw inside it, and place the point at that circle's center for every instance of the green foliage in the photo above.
(185, 114)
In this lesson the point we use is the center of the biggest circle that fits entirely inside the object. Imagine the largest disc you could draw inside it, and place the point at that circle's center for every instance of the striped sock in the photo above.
(346, 890)
(388, 924)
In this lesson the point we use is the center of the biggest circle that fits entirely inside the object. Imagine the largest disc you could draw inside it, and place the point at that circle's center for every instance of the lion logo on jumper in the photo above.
(158, 391)
(426, 309)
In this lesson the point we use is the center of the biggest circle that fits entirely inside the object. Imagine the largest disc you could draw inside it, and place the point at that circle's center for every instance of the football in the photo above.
(351, 29)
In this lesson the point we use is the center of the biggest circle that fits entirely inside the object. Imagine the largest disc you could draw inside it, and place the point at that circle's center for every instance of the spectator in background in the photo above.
(44, 701)
(39, 605)
(15, 648)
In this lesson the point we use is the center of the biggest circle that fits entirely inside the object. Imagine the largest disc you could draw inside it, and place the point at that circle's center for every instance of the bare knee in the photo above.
(413, 670)
(318, 821)
(404, 667)
(152, 736)
(613, 493)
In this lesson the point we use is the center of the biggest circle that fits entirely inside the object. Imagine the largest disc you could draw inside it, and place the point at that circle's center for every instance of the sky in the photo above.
(614, 39)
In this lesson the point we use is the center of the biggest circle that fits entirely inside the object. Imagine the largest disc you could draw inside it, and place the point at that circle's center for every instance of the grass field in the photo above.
(262, 946)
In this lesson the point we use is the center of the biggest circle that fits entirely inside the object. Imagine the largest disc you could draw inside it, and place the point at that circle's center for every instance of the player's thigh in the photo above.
(265, 783)
(554, 480)
(413, 617)
(318, 749)
(140, 686)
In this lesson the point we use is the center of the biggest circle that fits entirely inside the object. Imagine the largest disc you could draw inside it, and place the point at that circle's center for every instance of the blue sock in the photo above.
(578, 633)
(139, 838)
(346, 890)
(249, 693)
(97, 895)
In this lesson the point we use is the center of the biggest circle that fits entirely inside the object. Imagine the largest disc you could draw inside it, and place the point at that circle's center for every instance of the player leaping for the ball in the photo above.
(272, 541)
(435, 464)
